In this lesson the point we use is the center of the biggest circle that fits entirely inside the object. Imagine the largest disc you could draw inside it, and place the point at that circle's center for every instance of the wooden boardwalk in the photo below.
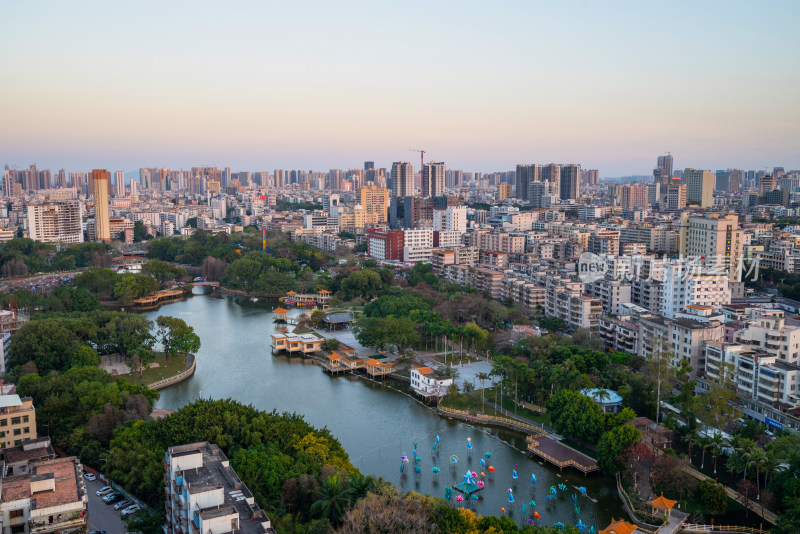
(559, 454)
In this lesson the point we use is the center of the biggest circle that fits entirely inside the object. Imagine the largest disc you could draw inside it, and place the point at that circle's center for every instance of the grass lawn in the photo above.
(165, 369)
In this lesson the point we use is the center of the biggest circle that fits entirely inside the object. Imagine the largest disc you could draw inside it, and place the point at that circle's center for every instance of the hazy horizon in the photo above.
(317, 86)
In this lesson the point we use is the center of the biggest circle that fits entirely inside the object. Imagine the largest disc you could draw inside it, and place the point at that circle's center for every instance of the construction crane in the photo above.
(421, 157)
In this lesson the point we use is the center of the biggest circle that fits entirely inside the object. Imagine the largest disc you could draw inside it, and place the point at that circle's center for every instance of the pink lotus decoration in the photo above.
(481, 484)
(459, 499)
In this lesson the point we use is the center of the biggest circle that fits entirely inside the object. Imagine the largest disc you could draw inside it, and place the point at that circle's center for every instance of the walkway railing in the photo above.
(174, 379)
(510, 421)
(531, 407)
(691, 527)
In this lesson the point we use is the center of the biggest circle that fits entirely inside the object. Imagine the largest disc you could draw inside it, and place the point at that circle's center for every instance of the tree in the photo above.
(719, 404)
(330, 345)
(130, 286)
(213, 269)
(176, 336)
(660, 370)
(612, 444)
(668, 475)
(713, 496)
(138, 231)
(380, 332)
(242, 273)
(576, 415)
(163, 271)
(332, 500)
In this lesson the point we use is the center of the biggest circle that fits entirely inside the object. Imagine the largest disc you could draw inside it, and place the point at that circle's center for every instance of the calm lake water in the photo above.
(374, 423)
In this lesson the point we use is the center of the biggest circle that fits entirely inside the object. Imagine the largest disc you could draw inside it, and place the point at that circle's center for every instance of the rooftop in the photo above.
(216, 473)
(594, 394)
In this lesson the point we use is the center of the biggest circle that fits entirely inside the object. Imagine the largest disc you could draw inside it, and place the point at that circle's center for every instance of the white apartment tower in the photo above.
(56, 222)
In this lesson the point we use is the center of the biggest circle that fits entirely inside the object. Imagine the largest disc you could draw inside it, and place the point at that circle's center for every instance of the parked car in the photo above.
(132, 509)
(98, 532)
(103, 490)
(111, 497)
(122, 504)
(90, 476)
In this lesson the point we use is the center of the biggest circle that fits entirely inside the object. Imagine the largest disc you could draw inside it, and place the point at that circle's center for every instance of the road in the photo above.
(102, 516)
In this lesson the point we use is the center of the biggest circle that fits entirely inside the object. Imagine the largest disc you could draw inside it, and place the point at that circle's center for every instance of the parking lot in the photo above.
(102, 516)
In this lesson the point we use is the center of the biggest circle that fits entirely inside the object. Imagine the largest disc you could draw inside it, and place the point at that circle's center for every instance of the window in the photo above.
(15, 420)
(24, 418)
(16, 513)
(17, 431)
(4, 422)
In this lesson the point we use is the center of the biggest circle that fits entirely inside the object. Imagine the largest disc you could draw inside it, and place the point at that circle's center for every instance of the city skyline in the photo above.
(322, 86)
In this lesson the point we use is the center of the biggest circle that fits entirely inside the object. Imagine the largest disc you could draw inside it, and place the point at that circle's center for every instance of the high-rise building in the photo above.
(526, 174)
(433, 179)
(590, 177)
(335, 179)
(675, 197)
(280, 178)
(56, 222)
(570, 181)
(369, 165)
(551, 174)
(735, 180)
(634, 196)
(503, 191)
(699, 187)
(715, 238)
(402, 181)
(665, 165)
(767, 183)
(375, 199)
(100, 185)
(119, 183)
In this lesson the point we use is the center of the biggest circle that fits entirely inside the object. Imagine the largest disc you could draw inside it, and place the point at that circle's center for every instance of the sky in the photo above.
(481, 86)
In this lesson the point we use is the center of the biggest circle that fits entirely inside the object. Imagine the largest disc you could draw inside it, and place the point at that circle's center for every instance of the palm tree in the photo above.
(716, 448)
(758, 459)
(746, 449)
(482, 377)
(359, 485)
(332, 500)
(601, 395)
(705, 443)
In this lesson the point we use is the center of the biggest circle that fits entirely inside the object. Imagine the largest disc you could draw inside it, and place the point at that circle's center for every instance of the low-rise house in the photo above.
(610, 401)
(427, 383)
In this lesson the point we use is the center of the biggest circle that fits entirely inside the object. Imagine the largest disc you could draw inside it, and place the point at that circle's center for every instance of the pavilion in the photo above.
(618, 526)
(662, 503)
(335, 321)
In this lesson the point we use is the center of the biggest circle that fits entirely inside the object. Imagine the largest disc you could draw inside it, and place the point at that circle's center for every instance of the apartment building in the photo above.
(688, 337)
(688, 283)
(17, 420)
(716, 238)
(618, 334)
(385, 244)
(48, 497)
(758, 375)
(525, 292)
(612, 293)
(205, 495)
(769, 333)
(56, 222)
